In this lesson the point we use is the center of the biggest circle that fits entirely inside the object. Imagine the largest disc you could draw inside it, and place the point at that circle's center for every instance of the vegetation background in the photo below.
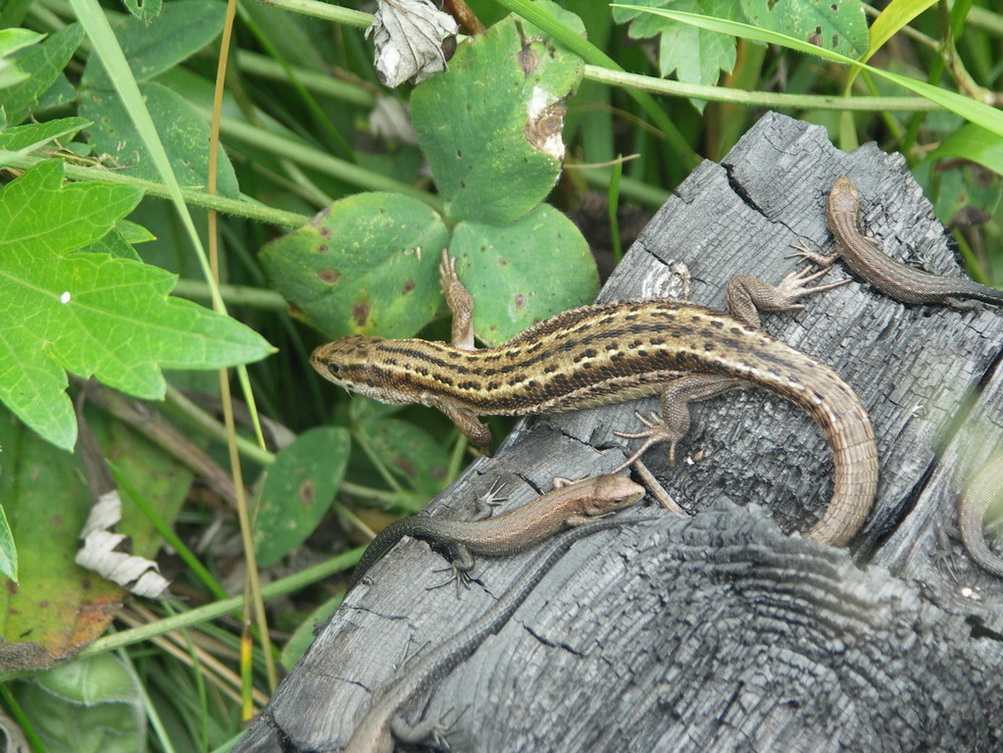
(256, 503)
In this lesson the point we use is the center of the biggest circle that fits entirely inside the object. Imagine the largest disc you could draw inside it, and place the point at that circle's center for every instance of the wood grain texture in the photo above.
(719, 632)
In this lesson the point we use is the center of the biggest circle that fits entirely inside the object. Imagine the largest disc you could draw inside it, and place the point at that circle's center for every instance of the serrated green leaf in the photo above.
(27, 138)
(113, 244)
(44, 63)
(366, 265)
(182, 29)
(91, 314)
(522, 273)
(695, 55)
(133, 232)
(490, 126)
(298, 491)
(8, 549)
(144, 10)
(182, 130)
(699, 55)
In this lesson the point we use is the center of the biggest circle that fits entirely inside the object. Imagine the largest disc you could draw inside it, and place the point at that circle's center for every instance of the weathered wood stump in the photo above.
(725, 631)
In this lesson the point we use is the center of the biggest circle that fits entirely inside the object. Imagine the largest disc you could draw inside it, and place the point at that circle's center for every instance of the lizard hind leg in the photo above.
(674, 423)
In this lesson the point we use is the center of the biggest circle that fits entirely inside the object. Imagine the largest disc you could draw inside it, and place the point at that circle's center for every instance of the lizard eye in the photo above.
(333, 368)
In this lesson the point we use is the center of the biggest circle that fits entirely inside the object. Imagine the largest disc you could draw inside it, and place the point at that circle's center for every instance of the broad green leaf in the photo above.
(522, 273)
(490, 126)
(57, 607)
(410, 453)
(839, 25)
(89, 313)
(90, 706)
(298, 490)
(182, 130)
(975, 112)
(44, 63)
(183, 29)
(368, 264)
(27, 138)
(8, 549)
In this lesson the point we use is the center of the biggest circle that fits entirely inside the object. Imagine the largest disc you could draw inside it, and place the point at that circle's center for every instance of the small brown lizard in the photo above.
(569, 504)
(623, 350)
(909, 285)
(868, 262)
(383, 723)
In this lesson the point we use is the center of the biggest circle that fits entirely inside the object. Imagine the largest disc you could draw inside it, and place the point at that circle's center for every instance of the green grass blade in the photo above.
(972, 111)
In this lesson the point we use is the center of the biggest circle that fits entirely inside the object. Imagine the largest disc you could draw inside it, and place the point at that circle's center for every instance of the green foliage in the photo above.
(144, 10)
(153, 47)
(8, 549)
(298, 490)
(91, 314)
(57, 607)
(369, 264)
(43, 64)
(514, 280)
(495, 157)
(12, 40)
(32, 136)
(482, 176)
(89, 706)
(699, 55)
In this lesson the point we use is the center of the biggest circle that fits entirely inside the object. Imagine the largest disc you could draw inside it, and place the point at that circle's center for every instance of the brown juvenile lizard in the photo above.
(909, 285)
(868, 262)
(612, 352)
(568, 505)
(383, 723)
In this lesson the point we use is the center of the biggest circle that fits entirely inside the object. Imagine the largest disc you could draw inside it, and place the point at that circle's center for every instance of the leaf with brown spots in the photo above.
(366, 265)
(299, 488)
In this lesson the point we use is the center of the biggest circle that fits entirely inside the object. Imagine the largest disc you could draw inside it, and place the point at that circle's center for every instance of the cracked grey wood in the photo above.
(720, 633)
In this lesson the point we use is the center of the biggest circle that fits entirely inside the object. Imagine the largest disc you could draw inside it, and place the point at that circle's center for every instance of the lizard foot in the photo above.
(656, 431)
(795, 285)
(802, 251)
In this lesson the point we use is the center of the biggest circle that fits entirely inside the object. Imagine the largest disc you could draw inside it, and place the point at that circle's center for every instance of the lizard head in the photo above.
(613, 493)
(348, 362)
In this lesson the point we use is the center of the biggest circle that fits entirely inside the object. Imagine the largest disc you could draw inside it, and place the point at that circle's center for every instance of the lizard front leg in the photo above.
(747, 296)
